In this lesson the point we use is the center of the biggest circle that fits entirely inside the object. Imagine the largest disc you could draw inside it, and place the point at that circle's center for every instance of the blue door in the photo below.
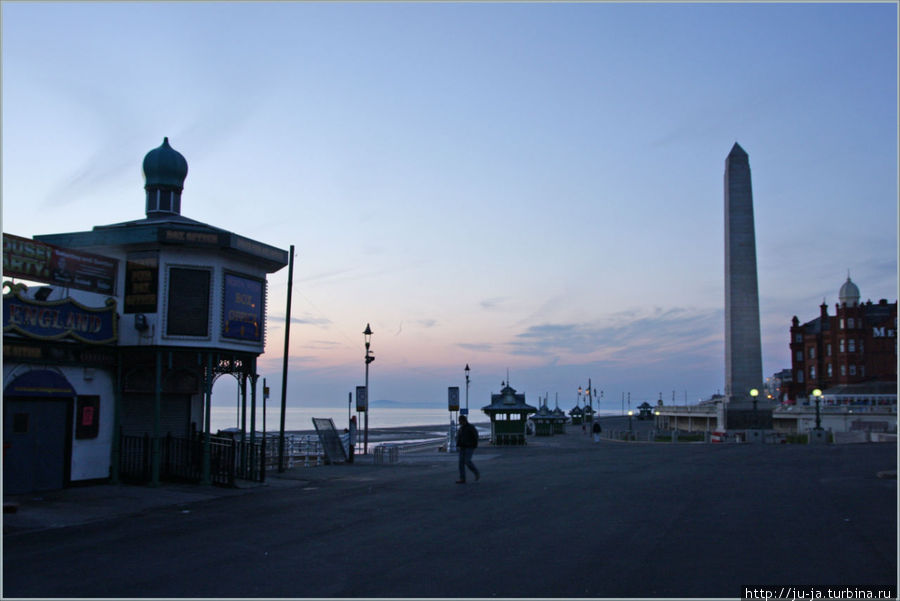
(36, 445)
(37, 432)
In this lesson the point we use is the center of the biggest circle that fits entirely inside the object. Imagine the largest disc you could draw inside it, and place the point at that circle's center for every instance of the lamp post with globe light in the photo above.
(367, 333)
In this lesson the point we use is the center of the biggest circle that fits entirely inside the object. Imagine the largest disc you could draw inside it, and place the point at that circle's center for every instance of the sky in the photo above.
(532, 187)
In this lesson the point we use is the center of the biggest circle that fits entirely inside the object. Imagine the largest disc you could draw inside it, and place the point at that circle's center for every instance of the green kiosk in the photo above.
(509, 415)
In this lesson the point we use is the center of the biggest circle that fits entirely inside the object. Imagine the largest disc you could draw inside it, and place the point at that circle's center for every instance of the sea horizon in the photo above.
(391, 415)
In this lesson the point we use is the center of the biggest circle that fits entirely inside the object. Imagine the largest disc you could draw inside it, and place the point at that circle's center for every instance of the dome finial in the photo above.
(165, 170)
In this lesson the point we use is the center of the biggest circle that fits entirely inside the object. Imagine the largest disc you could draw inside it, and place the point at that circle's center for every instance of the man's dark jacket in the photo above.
(467, 437)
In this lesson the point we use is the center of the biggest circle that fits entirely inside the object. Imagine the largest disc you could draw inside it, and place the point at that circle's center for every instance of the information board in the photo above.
(331, 442)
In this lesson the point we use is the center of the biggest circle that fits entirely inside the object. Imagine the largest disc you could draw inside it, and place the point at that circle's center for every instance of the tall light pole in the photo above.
(818, 394)
(753, 394)
(367, 333)
(467, 388)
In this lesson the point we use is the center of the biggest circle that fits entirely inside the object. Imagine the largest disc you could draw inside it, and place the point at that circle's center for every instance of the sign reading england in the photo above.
(242, 317)
(51, 320)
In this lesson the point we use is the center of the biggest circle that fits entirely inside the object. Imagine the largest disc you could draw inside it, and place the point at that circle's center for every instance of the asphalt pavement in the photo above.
(562, 517)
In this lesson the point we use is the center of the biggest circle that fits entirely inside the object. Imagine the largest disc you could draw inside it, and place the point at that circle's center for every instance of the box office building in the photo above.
(189, 303)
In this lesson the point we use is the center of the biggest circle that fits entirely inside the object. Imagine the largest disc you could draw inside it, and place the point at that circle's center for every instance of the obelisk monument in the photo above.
(743, 352)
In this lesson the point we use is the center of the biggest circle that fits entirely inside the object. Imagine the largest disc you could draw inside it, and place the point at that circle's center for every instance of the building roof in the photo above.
(509, 402)
(849, 293)
(165, 167)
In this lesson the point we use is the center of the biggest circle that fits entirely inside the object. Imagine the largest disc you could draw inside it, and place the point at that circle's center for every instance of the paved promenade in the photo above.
(560, 518)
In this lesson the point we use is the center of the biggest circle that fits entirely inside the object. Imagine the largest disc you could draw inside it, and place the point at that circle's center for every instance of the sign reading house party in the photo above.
(40, 262)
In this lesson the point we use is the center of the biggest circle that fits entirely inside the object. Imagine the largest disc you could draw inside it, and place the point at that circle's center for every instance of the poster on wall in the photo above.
(242, 311)
(40, 262)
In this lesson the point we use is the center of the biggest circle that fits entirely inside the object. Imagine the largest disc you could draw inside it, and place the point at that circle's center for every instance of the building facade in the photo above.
(855, 345)
(189, 305)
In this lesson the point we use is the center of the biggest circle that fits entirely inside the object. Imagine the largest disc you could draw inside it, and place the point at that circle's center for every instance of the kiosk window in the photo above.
(188, 302)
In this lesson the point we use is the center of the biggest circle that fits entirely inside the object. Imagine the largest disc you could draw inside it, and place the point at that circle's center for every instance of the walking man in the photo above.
(466, 441)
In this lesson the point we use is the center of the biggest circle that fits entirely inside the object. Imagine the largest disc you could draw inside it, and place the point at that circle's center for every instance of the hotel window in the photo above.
(800, 376)
(841, 345)
(828, 349)
(812, 373)
(852, 344)
(850, 323)
(843, 370)
(812, 352)
(828, 369)
(852, 370)
(799, 355)
(842, 323)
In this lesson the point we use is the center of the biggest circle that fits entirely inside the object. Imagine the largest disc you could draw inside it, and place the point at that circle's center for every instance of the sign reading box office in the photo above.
(141, 282)
(242, 308)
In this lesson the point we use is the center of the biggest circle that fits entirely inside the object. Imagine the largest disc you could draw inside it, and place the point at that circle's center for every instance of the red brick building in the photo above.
(858, 344)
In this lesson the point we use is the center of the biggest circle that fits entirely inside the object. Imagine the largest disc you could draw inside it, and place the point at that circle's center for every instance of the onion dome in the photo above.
(849, 293)
(165, 170)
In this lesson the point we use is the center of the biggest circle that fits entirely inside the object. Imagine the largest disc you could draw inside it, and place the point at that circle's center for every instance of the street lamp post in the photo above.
(367, 333)
(753, 394)
(630, 430)
(818, 394)
(467, 388)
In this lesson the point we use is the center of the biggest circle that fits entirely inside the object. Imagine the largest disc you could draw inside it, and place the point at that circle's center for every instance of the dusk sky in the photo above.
(536, 187)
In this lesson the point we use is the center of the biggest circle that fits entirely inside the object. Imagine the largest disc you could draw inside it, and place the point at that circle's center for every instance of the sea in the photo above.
(300, 418)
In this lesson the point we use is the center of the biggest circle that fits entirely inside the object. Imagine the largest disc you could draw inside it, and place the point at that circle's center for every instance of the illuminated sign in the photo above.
(141, 282)
(242, 308)
(59, 319)
(42, 262)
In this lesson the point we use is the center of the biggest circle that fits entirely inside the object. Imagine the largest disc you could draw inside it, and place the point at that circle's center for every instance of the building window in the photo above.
(828, 369)
(852, 344)
(812, 373)
(800, 376)
(188, 302)
(798, 338)
(842, 323)
(799, 355)
(841, 345)
(850, 323)
(843, 370)
(828, 349)
(862, 371)
(852, 370)
(812, 352)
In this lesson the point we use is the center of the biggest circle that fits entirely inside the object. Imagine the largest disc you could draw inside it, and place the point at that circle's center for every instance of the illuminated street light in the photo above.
(367, 333)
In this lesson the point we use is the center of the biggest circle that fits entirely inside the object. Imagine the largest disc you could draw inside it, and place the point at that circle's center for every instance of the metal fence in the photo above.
(181, 459)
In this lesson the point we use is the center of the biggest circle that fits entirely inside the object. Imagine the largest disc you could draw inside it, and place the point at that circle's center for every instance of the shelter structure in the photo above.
(577, 414)
(559, 420)
(543, 421)
(509, 414)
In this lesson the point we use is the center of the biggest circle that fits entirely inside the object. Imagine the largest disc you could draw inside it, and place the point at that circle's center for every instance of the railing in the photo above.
(181, 459)
(305, 449)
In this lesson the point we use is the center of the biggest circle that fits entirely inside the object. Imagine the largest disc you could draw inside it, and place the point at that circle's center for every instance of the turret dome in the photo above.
(849, 293)
(165, 166)
(164, 172)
